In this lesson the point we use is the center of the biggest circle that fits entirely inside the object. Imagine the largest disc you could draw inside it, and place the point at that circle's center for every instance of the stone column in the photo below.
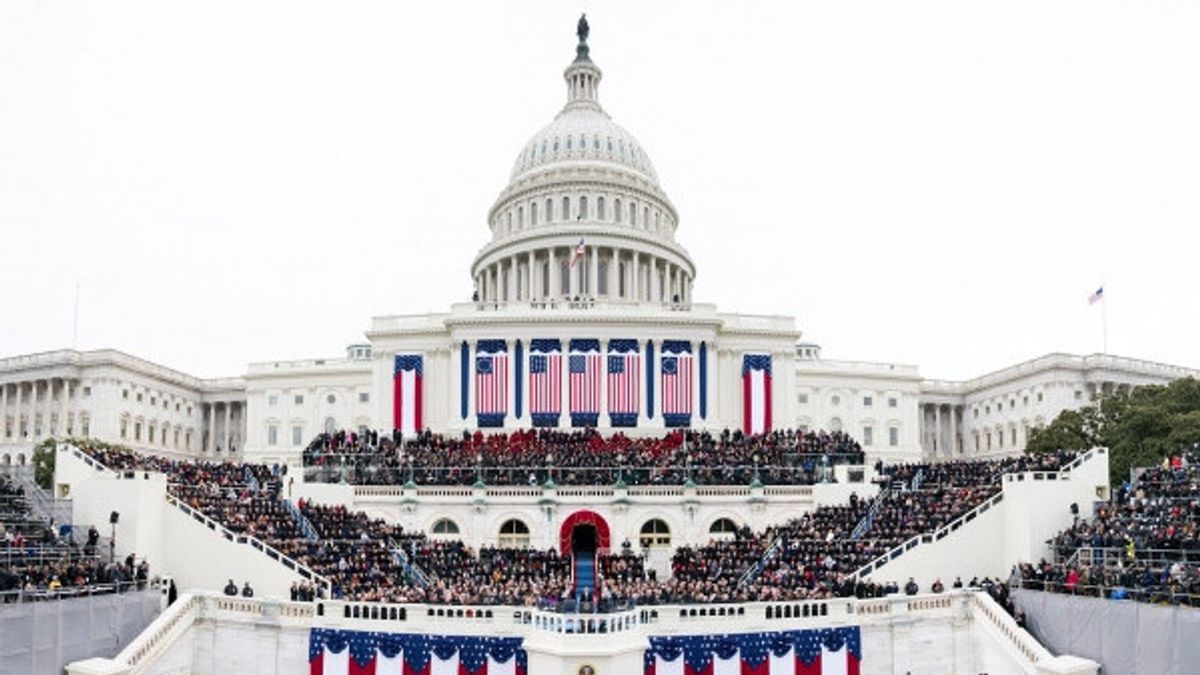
(211, 443)
(33, 396)
(634, 290)
(937, 428)
(47, 407)
(3, 411)
(655, 282)
(225, 432)
(594, 273)
(954, 429)
(530, 283)
(555, 279)
(65, 393)
(512, 279)
(18, 386)
(612, 273)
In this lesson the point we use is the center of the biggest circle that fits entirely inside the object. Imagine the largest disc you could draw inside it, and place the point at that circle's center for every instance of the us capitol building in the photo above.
(583, 315)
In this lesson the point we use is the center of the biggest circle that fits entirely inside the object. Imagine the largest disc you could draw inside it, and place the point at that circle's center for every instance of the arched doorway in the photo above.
(583, 537)
(598, 525)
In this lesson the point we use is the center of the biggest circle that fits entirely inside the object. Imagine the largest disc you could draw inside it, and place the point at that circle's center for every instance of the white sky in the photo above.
(939, 183)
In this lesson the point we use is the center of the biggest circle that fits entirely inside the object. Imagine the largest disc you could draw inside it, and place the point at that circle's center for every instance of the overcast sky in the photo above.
(936, 183)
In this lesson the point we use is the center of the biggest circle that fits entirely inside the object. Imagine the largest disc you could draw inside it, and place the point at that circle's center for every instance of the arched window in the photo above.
(533, 213)
(549, 210)
(444, 526)
(513, 534)
(330, 425)
(566, 208)
(600, 208)
(723, 526)
(633, 213)
(645, 216)
(655, 532)
(602, 277)
(617, 216)
(583, 207)
(835, 424)
(520, 216)
(509, 221)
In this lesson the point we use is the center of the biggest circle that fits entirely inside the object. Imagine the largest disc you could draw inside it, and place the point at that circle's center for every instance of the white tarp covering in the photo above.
(1124, 636)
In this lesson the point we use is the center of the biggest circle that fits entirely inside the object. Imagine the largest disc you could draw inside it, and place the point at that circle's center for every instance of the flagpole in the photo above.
(75, 321)
(1104, 322)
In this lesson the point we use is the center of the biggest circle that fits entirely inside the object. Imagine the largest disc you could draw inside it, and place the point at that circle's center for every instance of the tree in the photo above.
(43, 463)
(1140, 427)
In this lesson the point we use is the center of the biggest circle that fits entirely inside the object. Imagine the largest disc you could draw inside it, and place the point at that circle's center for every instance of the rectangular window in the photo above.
(272, 435)
(87, 427)
(87, 391)
(868, 436)
(893, 436)
(1014, 437)
(364, 397)
(137, 431)
(299, 399)
(803, 398)
(125, 394)
(272, 399)
(297, 435)
(867, 401)
(1078, 395)
(1039, 397)
(139, 398)
(892, 402)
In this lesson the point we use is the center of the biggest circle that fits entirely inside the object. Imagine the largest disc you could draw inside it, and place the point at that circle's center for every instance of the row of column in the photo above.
(21, 410)
(629, 275)
(229, 439)
(941, 429)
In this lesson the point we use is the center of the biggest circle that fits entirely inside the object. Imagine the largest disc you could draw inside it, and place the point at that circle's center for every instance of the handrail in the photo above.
(1006, 626)
(302, 521)
(868, 518)
(941, 532)
(161, 632)
(254, 542)
(408, 565)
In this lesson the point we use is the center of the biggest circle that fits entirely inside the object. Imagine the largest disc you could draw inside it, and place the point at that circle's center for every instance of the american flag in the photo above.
(545, 376)
(491, 384)
(827, 651)
(347, 652)
(580, 250)
(677, 387)
(623, 374)
(1097, 296)
(585, 382)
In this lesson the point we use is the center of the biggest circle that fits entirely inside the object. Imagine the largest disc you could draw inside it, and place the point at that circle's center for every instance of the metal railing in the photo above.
(1154, 595)
(270, 551)
(302, 521)
(367, 470)
(868, 519)
(67, 592)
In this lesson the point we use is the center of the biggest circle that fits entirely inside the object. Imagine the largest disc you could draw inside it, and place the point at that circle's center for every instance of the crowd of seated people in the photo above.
(41, 561)
(1143, 543)
(580, 457)
(813, 556)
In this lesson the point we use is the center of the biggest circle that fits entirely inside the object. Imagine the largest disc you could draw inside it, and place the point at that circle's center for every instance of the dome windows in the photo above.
(633, 213)
(556, 146)
(533, 213)
(617, 210)
(566, 208)
(568, 142)
(583, 207)
(610, 143)
(521, 217)
(595, 142)
(549, 210)
(600, 209)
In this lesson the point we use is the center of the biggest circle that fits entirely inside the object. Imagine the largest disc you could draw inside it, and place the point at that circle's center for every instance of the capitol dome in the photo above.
(583, 214)
(583, 134)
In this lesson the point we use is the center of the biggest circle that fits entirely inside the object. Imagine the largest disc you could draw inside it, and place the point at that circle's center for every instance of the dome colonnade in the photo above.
(583, 186)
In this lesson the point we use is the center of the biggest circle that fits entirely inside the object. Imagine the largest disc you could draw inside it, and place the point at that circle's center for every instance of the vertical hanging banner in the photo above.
(518, 378)
(408, 395)
(584, 370)
(464, 379)
(703, 380)
(678, 385)
(650, 379)
(756, 393)
(624, 378)
(491, 382)
(545, 382)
